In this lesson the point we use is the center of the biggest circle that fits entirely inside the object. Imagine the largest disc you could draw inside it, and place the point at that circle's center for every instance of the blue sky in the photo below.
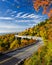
(18, 15)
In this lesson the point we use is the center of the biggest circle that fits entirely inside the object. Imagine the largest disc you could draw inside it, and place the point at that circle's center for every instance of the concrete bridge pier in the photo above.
(19, 39)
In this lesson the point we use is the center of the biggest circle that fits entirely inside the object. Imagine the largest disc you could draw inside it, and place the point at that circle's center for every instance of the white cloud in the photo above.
(32, 24)
(11, 28)
(8, 26)
(19, 14)
(27, 15)
(13, 24)
(24, 16)
(23, 20)
(33, 16)
(30, 16)
(6, 18)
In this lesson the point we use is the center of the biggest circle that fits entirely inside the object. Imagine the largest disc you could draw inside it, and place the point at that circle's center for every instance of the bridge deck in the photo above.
(29, 37)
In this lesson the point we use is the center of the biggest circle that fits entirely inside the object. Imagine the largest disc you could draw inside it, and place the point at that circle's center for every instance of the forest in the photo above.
(8, 42)
(44, 54)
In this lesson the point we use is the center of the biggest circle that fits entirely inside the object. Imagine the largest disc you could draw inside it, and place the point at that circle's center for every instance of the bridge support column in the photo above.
(19, 40)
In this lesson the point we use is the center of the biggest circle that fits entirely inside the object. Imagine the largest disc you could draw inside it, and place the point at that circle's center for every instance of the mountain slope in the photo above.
(44, 54)
(43, 29)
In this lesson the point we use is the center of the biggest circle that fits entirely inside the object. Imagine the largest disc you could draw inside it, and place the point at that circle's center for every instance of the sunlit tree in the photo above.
(45, 4)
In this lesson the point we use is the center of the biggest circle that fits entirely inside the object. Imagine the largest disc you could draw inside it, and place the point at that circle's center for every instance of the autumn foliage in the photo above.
(45, 4)
(44, 54)
(8, 42)
(43, 29)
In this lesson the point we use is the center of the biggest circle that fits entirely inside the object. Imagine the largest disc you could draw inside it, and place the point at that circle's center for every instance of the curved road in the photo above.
(15, 57)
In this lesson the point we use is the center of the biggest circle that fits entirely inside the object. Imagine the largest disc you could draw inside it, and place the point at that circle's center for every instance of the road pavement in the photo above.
(15, 57)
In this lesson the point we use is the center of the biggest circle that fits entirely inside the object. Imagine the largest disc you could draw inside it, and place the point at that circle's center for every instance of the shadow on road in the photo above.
(3, 56)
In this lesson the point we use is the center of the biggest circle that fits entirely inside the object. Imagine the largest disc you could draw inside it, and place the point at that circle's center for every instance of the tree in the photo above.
(14, 44)
(45, 4)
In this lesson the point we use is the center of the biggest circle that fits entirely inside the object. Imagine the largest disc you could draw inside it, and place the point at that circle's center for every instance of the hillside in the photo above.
(8, 42)
(44, 54)
(43, 29)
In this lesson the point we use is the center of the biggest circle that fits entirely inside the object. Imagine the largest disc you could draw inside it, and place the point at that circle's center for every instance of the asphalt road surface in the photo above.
(15, 57)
